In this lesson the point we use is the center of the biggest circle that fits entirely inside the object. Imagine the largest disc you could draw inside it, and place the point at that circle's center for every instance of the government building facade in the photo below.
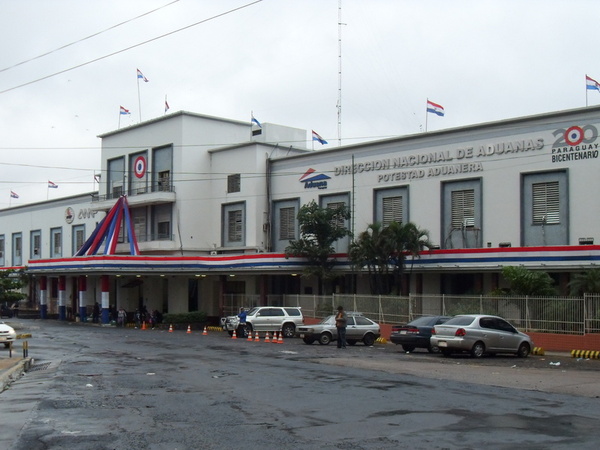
(212, 203)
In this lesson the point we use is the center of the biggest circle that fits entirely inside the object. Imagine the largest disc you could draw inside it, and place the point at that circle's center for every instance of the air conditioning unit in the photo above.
(214, 253)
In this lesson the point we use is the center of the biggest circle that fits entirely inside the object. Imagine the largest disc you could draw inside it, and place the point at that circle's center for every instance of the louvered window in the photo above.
(546, 204)
(235, 226)
(287, 228)
(233, 183)
(337, 221)
(463, 209)
(392, 210)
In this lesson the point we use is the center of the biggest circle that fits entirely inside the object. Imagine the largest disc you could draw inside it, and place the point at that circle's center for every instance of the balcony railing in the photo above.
(153, 188)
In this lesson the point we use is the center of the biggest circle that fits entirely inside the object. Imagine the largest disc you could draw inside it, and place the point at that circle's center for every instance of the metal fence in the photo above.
(566, 315)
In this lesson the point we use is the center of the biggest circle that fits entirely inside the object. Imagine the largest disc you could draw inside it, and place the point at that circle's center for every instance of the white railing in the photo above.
(564, 315)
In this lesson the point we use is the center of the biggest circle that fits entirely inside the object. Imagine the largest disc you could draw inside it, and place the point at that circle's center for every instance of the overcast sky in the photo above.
(481, 60)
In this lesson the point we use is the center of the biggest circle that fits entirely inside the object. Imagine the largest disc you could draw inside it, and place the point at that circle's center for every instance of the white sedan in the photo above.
(7, 334)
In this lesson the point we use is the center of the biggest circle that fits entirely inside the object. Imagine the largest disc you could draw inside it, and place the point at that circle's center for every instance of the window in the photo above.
(56, 243)
(233, 183)
(287, 223)
(17, 253)
(234, 225)
(161, 222)
(138, 216)
(392, 210)
(463, 209)
(35, 244)
(338, 221)
(2, 250)
(164, 230)
(545, 201)
(116, 176)
(78, 237)
(164, 181)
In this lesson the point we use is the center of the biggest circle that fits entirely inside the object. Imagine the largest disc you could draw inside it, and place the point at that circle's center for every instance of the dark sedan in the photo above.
(416, 333)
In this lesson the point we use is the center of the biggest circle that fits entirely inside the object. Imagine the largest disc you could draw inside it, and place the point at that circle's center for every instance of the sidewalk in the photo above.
(11, 369)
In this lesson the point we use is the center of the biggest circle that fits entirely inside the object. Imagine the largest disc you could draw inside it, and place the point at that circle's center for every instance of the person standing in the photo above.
(340, 323)
(242, 325)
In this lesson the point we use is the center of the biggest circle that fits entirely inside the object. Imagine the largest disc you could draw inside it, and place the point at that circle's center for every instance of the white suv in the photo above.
(267, 318)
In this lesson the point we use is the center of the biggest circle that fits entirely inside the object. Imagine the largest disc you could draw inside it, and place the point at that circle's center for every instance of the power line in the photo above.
(130, 47)
(85, 38)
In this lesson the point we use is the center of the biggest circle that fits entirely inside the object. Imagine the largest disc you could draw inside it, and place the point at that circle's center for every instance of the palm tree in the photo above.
(409, 240)
(587, 282)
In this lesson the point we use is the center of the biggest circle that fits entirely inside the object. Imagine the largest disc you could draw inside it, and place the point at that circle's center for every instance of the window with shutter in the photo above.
(337, 221)
(546, 203)
(463, 209)
(233, 183)
(392, 210)
(287, 228)
(234, 223)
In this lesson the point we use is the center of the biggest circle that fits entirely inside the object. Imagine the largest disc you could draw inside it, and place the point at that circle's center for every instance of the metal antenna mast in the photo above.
(339, 102)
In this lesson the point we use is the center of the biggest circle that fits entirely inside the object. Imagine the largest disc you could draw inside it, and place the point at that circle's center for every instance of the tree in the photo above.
(383, 251)
(319, 229)
(587, 282)
(11, 282)
(528, 282)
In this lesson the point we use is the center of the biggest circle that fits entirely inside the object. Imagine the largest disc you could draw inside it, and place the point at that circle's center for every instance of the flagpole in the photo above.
(139, 101)
(586, 91)
(426, 115)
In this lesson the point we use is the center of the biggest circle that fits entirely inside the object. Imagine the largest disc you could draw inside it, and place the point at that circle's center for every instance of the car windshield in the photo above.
(252, 311)
(327, 320)
(421, 321)
(460, 320)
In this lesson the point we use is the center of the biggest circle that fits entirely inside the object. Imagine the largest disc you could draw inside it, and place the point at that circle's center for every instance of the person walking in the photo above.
(340, 323)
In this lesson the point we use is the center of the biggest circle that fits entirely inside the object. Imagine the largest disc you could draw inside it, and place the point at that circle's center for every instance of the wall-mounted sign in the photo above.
(69, 215)
(312, 179)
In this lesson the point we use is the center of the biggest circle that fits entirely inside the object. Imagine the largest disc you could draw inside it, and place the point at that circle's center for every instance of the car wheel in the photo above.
(325, 339)
(288, 330)
(351, 342)
(308, 340)
(408, 348)
(369, 339)
(524, 350)
(478, 350)
(433, 349)
(248, 329)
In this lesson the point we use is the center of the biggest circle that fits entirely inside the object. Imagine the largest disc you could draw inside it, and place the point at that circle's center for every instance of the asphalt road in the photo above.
(105, 388)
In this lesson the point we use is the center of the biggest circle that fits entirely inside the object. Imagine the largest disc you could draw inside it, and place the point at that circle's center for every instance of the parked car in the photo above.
(7, 334)
(416, 333)
(267, 318)
(480, 334)
(5, 311)
(358, 328)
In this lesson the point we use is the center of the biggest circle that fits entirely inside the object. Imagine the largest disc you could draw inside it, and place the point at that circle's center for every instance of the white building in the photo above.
(214, 205)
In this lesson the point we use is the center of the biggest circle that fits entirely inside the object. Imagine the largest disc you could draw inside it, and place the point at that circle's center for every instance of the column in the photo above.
(43, 297)
(62, 298)
(82, 286)
(105, 298)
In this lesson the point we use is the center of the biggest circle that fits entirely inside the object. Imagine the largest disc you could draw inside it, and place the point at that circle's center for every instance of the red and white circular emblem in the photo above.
(139, 167)
(574, 136)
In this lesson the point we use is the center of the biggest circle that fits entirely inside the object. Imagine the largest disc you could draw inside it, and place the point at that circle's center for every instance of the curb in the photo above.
(14, 373)
(592, 354)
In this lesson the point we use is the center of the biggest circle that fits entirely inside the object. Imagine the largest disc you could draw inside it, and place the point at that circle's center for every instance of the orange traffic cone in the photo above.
(267, 337)
(274, 338)
(171, 328)
(189, 331)
(144, 325)
(256, 337)
(249, 336)
(204, 333)
(233, 336)
(280, 340)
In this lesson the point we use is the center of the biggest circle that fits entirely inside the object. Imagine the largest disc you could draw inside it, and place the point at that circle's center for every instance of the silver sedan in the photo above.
(358, 328)
(480, 334)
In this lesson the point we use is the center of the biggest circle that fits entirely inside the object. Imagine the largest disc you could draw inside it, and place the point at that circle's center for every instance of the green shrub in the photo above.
(190, 317)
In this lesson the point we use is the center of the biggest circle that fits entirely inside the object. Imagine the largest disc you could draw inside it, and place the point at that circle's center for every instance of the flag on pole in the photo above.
(52, 185)
(124, 111)
(166, 105)
(318, 138)
(435, 108)
(253, 120)
(592, 84)
(14, 194)
(97, 177)
(140, 75)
